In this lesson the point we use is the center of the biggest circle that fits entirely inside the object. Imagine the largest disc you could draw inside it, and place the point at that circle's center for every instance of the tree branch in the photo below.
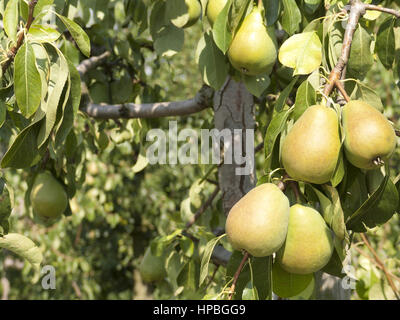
(385, 10)
(236, 276)
(379, 261)
(203, 208)
(13, 51)
(91, 63)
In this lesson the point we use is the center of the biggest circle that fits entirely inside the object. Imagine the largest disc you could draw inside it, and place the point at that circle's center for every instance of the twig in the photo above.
(91, 63)
(6, 288)
(77, 290)
(259, 147)
(374, 262)
(13, 51)
(386, 10)
(379, 261)
(212, 277)
(339, 85)
(236, 276)
(203, 208)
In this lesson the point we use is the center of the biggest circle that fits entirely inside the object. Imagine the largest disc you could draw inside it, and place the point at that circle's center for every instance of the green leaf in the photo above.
(205, 261)
(169, 41)
(79, 35)
(244, 276)
(280, 103)
(385, 43)
(41, 4)
(305, 97)
(23, 247)
(141, 162)
(338, 226)
(367, 94)
(275, 127)
(211, 61)
(302, 52)
(27, 80)
(257, 84)
(42, 33)
(5, 207)
(221, 32)
(291, 16)
(10, 19)
(262, 277)
(177, 12)
(3, 112)
(312, 5)
(361, 59)
(340, 171)
(272, 9)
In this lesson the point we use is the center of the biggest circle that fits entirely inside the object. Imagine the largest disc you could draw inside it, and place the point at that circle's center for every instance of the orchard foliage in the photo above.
(119, 206)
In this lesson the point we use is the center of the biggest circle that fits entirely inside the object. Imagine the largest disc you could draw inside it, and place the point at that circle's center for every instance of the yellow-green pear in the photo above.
(253, 50)
(152, 267)
(311, 149)
(194, 11)
(369, 137)
(309, 242)
(48, 197)
(258, 222)
(214, 7)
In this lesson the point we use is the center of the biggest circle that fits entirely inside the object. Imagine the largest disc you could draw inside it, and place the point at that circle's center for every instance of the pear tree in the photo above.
(310, 87)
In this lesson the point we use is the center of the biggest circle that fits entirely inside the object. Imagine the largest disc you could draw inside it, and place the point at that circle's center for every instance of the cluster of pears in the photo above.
(253, 50)
(48, 197)
(310, 151)
(263, 223)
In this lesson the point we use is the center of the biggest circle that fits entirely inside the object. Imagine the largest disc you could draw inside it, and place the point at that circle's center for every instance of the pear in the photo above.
(152, 268)
(309, 242)
(311, 149)
(214, 7)
(48, 198)
(253, 50)
(369, 137)
(258, 222)
(194, 11)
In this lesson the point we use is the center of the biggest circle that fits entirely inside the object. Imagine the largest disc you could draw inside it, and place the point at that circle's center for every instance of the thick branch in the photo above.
(151, 110)
(91, 63)
(13, 51)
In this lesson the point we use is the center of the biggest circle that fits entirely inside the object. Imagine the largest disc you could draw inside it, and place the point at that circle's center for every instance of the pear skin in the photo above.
(48, 197)
(369, 137)
(311, 149)
(152, 267)
(194, 11)
(309, 242)
(253, 50)
(258, 222)
(214, 7)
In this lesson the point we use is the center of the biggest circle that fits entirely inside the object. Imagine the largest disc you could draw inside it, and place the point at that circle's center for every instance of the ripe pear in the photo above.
(214, 7)
(369, 137)
(253, 50)
(309, 242)
(48, 197)
(152, 267)
(194, 11)
(311, 149)
(258, 222)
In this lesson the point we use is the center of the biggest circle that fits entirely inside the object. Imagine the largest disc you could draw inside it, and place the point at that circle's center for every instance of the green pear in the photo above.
(258, 222)
(369, 137)
(309, 242)
(48, 197)
(214, 7)
(152, 267)
(311, 149)
(194, 11)
(286, 285)
(253, 50)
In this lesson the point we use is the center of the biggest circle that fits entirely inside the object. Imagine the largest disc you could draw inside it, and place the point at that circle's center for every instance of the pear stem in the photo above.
(237, 274)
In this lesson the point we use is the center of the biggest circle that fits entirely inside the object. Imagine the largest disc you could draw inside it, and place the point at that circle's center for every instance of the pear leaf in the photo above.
(302, 52)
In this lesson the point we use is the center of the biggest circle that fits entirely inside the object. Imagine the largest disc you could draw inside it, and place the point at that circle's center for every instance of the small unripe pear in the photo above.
(48, 197)
(258, 222)
(311, 149)
(369, 137)
(253, 50)
(152, 267)
(194, 11)
(309, 242)
(214, 7)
